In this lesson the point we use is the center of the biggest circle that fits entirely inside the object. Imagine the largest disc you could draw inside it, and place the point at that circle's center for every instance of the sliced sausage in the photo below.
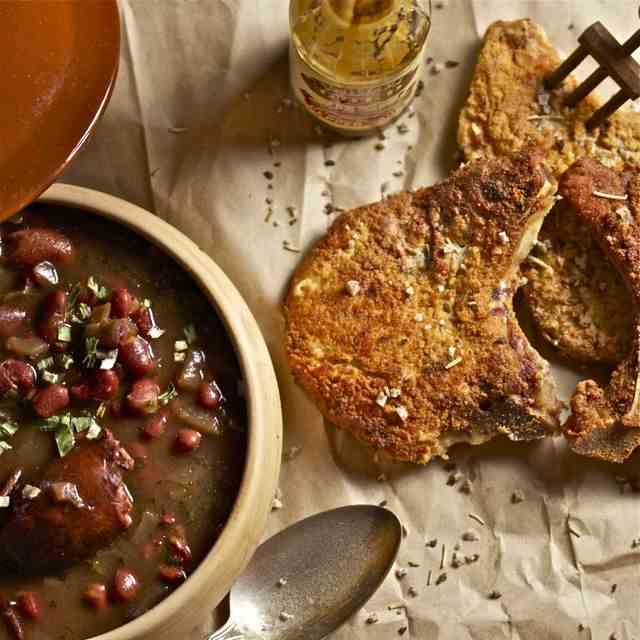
(143, 398)
(28, 247)
(16, 375)
(29, 347)
(12, 320)
(51, 400)
(136, 356)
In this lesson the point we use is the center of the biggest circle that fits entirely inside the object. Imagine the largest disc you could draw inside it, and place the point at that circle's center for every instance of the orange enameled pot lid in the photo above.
(59, 63)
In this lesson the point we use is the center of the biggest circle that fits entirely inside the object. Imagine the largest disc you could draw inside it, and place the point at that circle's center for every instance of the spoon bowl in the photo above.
(306, 581)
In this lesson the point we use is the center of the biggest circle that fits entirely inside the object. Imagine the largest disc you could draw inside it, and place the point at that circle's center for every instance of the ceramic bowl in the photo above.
(191, 605)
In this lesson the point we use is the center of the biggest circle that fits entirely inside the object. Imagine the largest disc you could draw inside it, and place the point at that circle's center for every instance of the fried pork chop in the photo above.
(577, 302)
(605, 422)
(400, 320)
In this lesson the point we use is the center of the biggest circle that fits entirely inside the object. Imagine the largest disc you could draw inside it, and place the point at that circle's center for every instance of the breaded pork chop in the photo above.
(400, 324)
(570, 281)
(605, 422)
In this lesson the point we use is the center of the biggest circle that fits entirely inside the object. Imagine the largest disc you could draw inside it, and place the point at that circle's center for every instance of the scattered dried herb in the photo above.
(478, 519)
(441, 578)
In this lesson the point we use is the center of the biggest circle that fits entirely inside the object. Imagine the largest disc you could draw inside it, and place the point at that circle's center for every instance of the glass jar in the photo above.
(355, 64)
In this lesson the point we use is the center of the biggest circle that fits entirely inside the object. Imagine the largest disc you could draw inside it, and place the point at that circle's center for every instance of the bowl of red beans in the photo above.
(140, 425)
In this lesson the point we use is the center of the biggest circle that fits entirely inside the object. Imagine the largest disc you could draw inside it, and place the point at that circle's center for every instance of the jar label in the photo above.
(353, 108)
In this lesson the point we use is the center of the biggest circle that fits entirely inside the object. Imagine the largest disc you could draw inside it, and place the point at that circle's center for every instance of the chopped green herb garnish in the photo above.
(168, 395)
(190, 333)
(94, 431)
(4, 446)
(81, 423)
(64, 333)
(91, 346)
(45, 363)
(55, 422)
(66, 362)
(65, 439)
(72, 298)
(84, 311)
(8, 428)
(102, 409)
(51, 377)
(102, 293)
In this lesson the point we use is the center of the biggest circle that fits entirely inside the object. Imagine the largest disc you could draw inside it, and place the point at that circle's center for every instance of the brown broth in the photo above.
(199, 488)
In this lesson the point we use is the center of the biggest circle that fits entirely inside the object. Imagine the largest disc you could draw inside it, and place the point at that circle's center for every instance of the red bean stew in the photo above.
(122, 426)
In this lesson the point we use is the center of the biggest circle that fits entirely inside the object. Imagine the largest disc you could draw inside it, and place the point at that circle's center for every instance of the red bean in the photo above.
(155, 426)
(209, 395)
(80, 392)
(113, 333)
(12, 319)
(180, 548)
(171, 574)
(28, 247)
(16, 375)
(96, 596)
(29, 605)
(143, 397)
(104, 385)
(53, 315)
(123, 304)
(137, 357)
(144, 320)
(51, 400)
(167, 519)
(125, 585)
(187, 440)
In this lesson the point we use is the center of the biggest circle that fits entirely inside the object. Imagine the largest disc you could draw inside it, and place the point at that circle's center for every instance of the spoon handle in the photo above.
(229, 631)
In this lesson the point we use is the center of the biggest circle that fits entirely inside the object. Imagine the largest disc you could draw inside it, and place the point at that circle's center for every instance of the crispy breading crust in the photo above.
(601, 424)
(574, 295)
(400, 324)
(507, 109)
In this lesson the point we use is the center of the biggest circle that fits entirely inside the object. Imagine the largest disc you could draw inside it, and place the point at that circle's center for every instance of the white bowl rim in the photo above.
(245, 526)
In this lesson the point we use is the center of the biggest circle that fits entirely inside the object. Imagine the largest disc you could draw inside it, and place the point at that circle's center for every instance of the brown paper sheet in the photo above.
(201, 110)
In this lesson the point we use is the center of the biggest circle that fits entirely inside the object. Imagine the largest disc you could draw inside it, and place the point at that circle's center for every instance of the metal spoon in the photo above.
(306, 581)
